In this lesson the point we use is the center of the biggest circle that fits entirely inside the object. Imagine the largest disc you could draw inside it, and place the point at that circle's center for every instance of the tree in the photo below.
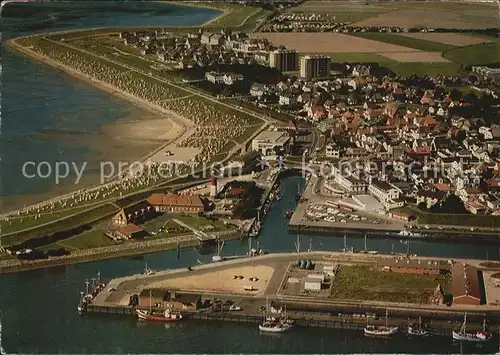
(455, 94)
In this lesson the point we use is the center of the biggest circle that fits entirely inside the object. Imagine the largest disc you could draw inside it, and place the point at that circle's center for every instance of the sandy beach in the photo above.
(163, 128)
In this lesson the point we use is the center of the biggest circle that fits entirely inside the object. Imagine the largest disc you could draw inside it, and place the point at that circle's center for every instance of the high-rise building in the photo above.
(316, 66)
(284, 60)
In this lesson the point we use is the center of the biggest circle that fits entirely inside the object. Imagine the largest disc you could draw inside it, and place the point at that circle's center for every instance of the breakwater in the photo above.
(379, 232)
(115, 251)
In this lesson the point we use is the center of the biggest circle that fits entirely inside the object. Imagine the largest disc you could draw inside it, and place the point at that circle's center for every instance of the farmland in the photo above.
(409, 14)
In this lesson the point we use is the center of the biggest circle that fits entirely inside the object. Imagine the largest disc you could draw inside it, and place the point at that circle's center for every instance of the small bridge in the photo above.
(201, 236)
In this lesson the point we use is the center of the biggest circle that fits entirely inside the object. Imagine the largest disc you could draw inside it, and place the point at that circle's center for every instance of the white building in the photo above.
(332, 151)
(312, 284)
(231, 78)
(213, 77)
(383, 191)
(351, 184)
(268, 141)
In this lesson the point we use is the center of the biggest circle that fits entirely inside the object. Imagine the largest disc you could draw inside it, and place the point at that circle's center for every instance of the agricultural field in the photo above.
(366, 283)
(330, 43)
(409, 14)
(452, 39)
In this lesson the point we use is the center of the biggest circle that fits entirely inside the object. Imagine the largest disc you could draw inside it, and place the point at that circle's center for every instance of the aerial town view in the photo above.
(254, 176)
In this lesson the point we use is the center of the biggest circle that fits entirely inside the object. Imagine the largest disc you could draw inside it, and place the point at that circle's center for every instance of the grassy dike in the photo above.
(111, 252)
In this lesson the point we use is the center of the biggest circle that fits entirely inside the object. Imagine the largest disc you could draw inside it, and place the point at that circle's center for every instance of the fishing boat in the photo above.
(166, 316)
(418, 331)
(275, 327)
(218, 257)
(380, 330)
(279, 324)
(147, 271)
(480, 336)
(150, 315)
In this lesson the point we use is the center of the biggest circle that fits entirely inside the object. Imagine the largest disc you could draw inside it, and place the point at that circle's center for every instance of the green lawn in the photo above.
(87, 240)
(431, 69)
(365, 283)
(459, 220)
(415, 43)
(478, 54)
(20, 223)
(88, 217)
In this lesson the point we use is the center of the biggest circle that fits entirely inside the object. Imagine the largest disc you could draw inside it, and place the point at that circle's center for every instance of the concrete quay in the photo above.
(214, 281)
(375, 225)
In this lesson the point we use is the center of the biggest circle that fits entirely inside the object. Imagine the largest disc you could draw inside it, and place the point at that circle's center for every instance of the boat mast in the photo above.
(297, 244)
(345, 242)
(366, 248)
(150, 301)
(87, 283)
(386, 321)
(462, 330)
(98, 277)
(310, 245)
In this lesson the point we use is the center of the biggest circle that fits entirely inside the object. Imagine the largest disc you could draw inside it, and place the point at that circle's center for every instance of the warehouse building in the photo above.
(164, 299)
(466, 285)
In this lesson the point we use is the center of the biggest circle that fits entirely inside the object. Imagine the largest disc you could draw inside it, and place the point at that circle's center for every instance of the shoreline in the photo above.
(10, 266)
(179, 123)
(223, 12)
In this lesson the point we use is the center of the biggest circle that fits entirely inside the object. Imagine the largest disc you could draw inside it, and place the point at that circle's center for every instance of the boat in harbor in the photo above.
(418, 330)
(279, 323)
(380, 330)
(408, 234)
(147, 271)
(91, 291)
(275, 327)
(166, 316)
(480, 336)
(218, 256)
(157, 316)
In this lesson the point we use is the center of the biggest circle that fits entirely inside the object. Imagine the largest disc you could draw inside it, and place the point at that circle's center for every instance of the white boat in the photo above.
(380, 330)
(480, 336)
(278, 327)
(418, 331)
(218, 257)
(147, 271)
(278, 324)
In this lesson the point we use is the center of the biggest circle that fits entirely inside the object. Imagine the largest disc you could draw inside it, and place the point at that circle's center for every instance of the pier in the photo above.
(269, 277)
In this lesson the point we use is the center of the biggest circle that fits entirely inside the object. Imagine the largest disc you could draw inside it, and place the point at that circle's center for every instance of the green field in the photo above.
(478, 54)
(366, 283)
(391, 38)
(20, 223)
(88, 217)
(87, 240)
(465, 220)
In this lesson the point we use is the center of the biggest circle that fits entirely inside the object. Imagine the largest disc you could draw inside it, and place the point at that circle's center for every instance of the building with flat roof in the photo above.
(269, 142)
(312, 284)
(284, 60)
(315, 67)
